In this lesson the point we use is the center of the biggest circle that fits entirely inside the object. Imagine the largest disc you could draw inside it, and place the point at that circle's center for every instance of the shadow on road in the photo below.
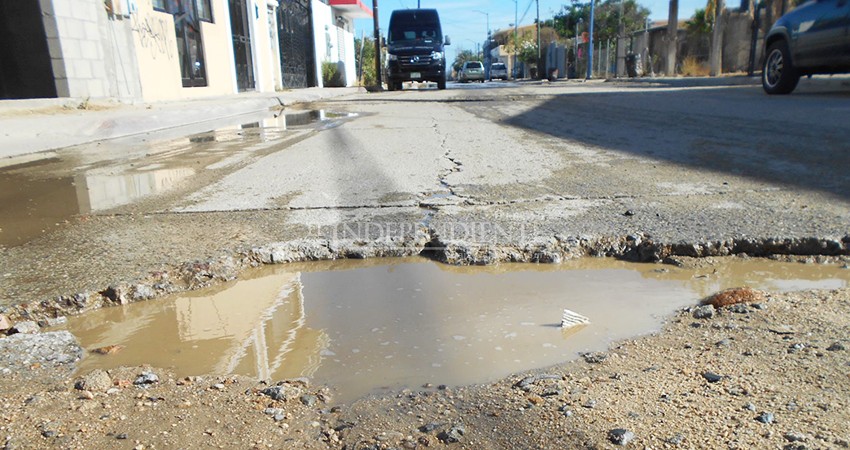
(798, 141)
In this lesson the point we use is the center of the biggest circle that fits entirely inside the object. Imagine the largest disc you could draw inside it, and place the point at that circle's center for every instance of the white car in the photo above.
(498, 71)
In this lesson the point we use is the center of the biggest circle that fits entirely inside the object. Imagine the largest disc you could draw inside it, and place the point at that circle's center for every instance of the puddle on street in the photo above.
(36, 196)
(364, 326)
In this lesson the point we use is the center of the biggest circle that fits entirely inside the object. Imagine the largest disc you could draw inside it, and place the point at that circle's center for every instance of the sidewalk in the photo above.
(30, 126)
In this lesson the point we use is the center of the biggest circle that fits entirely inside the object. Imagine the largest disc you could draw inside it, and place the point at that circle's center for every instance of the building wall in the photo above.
(333, 36)
(158, 58)
(323, 39)
(81, 63)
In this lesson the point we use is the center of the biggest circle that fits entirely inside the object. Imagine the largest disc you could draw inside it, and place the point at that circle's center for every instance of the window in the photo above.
(159, 5)
(204, 10)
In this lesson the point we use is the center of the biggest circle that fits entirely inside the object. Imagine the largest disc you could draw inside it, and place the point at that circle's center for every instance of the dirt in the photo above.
(767, 375)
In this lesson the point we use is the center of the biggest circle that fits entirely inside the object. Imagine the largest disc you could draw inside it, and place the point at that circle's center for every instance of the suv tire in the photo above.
(779, 76)
(441, 84)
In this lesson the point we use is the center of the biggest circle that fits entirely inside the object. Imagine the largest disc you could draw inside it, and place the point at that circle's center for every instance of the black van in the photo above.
(415, 48)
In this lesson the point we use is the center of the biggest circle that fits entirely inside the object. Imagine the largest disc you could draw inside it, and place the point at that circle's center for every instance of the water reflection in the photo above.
(361, 326)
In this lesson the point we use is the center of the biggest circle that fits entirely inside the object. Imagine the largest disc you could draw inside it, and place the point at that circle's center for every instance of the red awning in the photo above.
(354, 9)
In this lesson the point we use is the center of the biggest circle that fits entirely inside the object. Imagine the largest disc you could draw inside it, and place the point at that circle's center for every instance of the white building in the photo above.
(150, 50)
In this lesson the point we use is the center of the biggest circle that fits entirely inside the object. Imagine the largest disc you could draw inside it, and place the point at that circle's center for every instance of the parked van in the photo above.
(416, 48)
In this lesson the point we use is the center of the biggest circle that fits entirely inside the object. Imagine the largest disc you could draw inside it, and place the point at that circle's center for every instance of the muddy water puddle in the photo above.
(364, 326)
(39, 195)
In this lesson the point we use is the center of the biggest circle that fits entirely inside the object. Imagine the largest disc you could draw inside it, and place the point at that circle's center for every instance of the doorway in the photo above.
(242, 56)
(295, 33)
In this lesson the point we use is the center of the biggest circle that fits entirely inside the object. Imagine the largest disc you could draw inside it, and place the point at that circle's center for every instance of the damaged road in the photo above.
(529, 173)
(533, 173)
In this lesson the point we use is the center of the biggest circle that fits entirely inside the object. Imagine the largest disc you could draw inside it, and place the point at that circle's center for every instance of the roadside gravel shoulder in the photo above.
(766, 375)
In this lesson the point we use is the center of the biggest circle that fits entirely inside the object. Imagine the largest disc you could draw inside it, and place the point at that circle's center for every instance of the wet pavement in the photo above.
(39, 193)
(366, 326)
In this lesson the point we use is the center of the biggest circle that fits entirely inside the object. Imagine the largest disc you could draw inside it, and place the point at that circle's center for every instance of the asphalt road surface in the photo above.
(539, 171)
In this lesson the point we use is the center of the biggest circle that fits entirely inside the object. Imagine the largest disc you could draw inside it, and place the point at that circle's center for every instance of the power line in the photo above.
(527, 8)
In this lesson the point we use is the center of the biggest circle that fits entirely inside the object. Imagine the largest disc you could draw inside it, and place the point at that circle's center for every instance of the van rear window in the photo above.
(474, 65)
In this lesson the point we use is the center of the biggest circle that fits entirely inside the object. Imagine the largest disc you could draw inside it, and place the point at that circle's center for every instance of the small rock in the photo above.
(760, 306)
(309, 400)
(590, 404)
(676, 439)
(794, 348)
(734, 296)
(121, 436)
(108, 350)
(452, 435)
(26, 327)
(794, 436)
(533, 379)
(620, 436)
(703, 312)
(284, 392)
(712, 377)
(739, 308)
(146, 378)
(429, 427)
(4, 323)
(279, 417)
(218, 386)
(96, 381)
(836, 347)
(629, 213)
(765, 417)
(594, 357)
(750, 407)
(723, 343)
(53, 321)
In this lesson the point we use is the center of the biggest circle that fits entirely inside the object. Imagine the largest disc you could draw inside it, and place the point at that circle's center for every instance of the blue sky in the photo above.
(467, 27)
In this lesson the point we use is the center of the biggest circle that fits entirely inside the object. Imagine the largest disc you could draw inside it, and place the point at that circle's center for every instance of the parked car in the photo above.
(498, 71)
(471, 71)
(811, 39)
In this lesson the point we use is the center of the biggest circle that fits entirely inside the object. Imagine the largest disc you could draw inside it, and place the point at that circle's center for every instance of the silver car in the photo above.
(498, 71)
(471, 71)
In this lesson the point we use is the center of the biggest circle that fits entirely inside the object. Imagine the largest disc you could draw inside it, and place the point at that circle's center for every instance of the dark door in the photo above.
(25, 67)
(241, 45)
(821, 32)
(190, 47)
(295, 33)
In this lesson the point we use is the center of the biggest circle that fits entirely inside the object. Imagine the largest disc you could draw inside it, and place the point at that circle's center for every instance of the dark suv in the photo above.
(813, 38)
(415, 48)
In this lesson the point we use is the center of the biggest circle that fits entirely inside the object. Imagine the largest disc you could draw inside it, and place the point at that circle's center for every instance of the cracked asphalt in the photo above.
(526, 172)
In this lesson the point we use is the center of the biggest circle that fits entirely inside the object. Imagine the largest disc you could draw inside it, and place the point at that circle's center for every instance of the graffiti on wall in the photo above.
(155, 33)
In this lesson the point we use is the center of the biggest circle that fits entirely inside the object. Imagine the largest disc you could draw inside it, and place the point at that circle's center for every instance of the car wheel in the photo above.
(779, 76)
(441, 84)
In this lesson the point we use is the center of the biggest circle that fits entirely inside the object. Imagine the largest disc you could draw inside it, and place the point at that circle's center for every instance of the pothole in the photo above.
(366, 326)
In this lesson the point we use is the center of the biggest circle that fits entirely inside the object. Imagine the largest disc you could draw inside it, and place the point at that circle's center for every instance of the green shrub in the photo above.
(331, 76)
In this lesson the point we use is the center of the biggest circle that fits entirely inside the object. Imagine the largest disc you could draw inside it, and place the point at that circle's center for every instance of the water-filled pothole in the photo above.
(363, 326)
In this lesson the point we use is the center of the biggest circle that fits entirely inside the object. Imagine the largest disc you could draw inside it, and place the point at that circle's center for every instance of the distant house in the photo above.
(148, 50)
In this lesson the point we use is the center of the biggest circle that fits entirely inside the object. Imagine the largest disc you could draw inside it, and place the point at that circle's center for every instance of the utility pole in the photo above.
(378, 65)
(590, 42)
(672, 37)
(716, 55)
(539, 75)
(516, 29)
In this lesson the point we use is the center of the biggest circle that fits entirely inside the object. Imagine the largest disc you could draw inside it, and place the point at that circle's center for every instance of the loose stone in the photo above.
(836, 347)
(712, 377)
(765, 417)
(620, 436)
(703, 312)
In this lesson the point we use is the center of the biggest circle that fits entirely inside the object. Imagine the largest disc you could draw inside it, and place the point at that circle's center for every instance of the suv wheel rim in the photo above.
(773, 67)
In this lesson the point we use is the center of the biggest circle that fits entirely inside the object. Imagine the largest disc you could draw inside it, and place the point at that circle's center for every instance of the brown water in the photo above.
(363, 326)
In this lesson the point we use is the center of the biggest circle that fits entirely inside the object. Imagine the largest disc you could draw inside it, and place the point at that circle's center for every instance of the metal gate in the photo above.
(295, 32)
(242, 45)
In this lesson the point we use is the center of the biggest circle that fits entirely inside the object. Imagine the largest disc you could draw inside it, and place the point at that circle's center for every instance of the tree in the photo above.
(462, 57)
(607, 18)
(526, 48)
(366, 67)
